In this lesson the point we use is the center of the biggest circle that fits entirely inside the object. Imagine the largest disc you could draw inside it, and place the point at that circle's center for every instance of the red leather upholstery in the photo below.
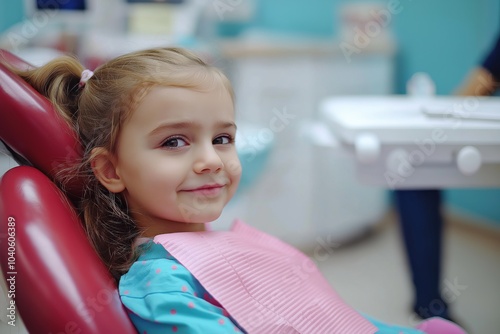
(14, 61)
(60, 284)
(30, 127)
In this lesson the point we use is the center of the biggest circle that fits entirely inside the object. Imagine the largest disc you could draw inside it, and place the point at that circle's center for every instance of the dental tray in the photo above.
(481, 115)
(410, 142)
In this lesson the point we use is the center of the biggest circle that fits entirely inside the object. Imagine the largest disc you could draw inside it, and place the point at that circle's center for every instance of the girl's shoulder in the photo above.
(160, 294)
(156, 271)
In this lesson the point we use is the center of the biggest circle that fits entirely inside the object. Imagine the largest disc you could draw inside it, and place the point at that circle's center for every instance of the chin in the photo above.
(211, 218)
(205, 217)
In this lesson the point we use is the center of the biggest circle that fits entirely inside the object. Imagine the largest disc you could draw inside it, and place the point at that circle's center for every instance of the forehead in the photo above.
(204, 104)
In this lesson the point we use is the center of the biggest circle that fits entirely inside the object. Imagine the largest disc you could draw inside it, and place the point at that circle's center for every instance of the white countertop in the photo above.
(400, 119)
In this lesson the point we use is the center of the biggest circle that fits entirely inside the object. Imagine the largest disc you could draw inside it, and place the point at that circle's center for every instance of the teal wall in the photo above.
(11, 12)
(312, 17)
(445, 38)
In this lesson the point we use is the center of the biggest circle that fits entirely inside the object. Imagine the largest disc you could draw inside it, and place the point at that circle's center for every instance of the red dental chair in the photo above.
(54, 277)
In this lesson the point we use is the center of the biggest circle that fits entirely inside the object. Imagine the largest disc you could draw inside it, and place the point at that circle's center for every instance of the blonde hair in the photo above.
(97, 112)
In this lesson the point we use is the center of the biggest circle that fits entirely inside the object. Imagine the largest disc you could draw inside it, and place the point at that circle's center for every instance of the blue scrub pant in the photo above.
(422, 228)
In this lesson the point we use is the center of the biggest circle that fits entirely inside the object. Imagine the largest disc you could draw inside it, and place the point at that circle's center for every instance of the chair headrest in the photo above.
(31, 127)
(14, 61)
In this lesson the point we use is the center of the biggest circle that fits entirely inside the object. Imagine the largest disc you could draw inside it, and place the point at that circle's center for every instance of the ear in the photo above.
(103, 166)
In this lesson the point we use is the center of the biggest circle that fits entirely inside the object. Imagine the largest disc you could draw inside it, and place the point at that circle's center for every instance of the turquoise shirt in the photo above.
(162, 296)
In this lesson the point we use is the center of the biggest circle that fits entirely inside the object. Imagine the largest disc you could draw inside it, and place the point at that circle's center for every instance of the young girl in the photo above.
(160, 162)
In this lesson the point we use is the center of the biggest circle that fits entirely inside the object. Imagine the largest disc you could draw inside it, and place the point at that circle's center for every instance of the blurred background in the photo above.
(284, 57)
(291, 46)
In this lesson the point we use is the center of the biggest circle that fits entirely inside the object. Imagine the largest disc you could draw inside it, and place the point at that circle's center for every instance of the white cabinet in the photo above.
(297, 82)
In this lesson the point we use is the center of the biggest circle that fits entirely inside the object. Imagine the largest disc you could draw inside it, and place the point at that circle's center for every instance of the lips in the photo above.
(206, 190)
(207, 186)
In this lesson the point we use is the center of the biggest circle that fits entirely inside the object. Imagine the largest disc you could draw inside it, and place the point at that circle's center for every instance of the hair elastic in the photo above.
(86, 75)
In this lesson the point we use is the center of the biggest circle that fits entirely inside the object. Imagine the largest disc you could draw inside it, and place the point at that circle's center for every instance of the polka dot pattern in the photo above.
(167, 285)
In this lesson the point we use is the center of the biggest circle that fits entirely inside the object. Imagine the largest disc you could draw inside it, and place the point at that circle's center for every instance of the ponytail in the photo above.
(58, 81)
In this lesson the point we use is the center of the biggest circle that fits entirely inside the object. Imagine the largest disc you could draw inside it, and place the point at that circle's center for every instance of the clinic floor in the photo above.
(372, 275)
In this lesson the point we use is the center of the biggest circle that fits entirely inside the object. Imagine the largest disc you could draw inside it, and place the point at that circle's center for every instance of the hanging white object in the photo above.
(421, 85)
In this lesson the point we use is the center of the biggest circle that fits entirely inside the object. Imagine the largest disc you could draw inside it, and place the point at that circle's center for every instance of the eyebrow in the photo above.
(185, 125)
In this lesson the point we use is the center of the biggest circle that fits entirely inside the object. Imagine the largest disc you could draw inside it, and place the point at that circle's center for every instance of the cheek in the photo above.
(164, 176)
(233, 168)
(153, 176)
(155, 188)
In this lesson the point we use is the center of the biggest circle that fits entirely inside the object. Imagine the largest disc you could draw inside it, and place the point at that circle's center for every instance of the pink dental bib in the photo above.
(266, 285)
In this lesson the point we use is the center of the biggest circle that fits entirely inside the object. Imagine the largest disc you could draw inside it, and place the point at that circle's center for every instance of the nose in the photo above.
(207, 160)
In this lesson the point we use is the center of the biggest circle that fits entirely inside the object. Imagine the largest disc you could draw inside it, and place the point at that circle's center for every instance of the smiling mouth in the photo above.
(209, 190)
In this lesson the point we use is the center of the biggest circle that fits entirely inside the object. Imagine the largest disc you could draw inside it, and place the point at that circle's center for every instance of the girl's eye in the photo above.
(222, 140)
(174, 142)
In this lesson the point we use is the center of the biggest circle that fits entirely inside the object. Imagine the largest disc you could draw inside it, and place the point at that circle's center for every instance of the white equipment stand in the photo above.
(403, 142)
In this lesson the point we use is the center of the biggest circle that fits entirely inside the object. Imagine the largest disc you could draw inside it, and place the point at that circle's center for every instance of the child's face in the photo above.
(177, 159)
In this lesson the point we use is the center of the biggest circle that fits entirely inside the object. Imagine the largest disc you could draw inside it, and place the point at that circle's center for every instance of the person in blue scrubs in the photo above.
(63, 5)
(420, 210)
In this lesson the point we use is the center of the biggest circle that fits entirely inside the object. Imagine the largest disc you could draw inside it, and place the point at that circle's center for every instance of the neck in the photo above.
(171, 227)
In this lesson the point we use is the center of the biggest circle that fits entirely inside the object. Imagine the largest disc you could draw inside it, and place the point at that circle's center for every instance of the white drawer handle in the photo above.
(367, 148)
(469, 160)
